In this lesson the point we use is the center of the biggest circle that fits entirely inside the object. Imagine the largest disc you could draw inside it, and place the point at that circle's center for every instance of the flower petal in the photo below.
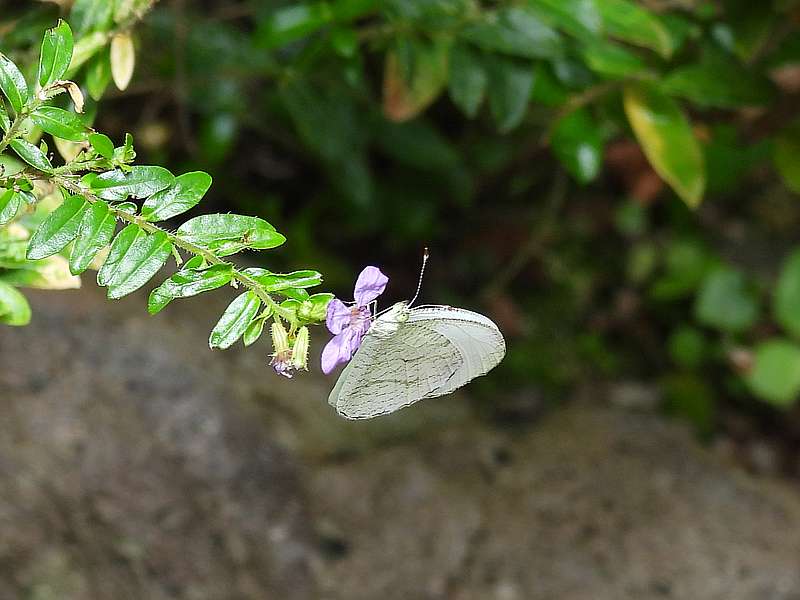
(369, 285)
(338, 350)
(338, 316)
(282, 367)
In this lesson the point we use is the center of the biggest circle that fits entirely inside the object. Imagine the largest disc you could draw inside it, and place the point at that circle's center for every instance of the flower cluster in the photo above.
(289, 355)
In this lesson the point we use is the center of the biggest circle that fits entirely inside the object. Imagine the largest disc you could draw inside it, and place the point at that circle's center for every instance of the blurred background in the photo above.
(614, 182)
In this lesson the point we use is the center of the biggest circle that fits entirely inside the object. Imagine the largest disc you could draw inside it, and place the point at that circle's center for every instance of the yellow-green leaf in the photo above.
(667, 139)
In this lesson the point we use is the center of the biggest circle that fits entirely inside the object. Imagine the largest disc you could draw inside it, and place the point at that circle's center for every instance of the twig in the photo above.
(533, 245)
(176, 240)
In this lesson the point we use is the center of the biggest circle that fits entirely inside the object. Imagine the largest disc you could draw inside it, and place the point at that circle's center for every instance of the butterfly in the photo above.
(409, 354)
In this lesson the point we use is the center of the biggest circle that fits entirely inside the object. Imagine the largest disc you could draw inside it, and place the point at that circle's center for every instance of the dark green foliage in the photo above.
(93, 189)
(370, 128)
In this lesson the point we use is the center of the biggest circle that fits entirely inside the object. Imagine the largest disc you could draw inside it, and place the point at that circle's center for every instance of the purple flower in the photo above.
(350, 323)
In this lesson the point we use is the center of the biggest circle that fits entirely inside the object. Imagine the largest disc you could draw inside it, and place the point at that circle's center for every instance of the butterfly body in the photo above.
(409, 354)
(390, 322)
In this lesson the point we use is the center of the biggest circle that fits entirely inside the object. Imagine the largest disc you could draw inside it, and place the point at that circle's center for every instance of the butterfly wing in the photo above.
(475, 336)
(390, 372)
(437, 351)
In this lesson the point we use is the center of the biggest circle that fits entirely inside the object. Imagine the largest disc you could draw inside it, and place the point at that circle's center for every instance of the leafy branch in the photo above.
(95, 189)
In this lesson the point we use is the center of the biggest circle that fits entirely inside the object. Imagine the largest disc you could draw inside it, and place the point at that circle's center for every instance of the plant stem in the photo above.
(537, 237)
(246, 280)
(13, 130)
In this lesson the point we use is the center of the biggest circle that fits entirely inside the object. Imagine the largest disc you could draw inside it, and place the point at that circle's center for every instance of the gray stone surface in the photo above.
(127, 470)
(135, 463)
(593, 504)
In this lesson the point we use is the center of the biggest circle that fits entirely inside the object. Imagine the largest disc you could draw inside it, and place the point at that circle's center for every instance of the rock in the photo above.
(135, 463)
(127, 470)
(595, 504)
(635, 395)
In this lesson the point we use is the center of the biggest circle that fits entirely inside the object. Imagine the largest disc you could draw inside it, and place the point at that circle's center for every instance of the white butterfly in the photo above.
(409, 354)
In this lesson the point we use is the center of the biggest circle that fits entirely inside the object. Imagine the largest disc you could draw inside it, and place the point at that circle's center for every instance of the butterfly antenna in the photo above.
(425, 256)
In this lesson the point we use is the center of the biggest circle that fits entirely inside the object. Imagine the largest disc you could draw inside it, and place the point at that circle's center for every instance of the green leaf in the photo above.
(60, 123)
(786, 156)
(12, 83)
(681, 28)
(631, 23)
(102, 145)
(128, 207)
(58, 229)
(86, 48)
(126, 153)
(579, 18)
(546, 89)
(14, 308)
(775, 375)
(9, 205)
(786, 301)
(98, 75)
(31, 155)
(467, 80)
(687, 263)
(139, 182)
(144, 259)
(509, 92)
(234, 321)
(293, 22)
(189, 282)
(577, 143)
(688, 347)
(667, 139)
(610, 60)
(11, 165)
(347, 10)
(517, 31)
(56, 54)
(749, 26)
(296, 293)
(289, 309)
(133, 259)
(51, 273)
(718, 81)
(90, 15)
(276, 282)
(227, 234)
(119, 247)
(254, 331)
(95, 232)
(182, 195)
(726, 302)
(415, 73)
(730, 161)
(5, 123)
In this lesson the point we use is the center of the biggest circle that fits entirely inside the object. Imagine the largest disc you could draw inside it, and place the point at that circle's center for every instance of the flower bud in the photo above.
(300, 350)
(282, 352)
